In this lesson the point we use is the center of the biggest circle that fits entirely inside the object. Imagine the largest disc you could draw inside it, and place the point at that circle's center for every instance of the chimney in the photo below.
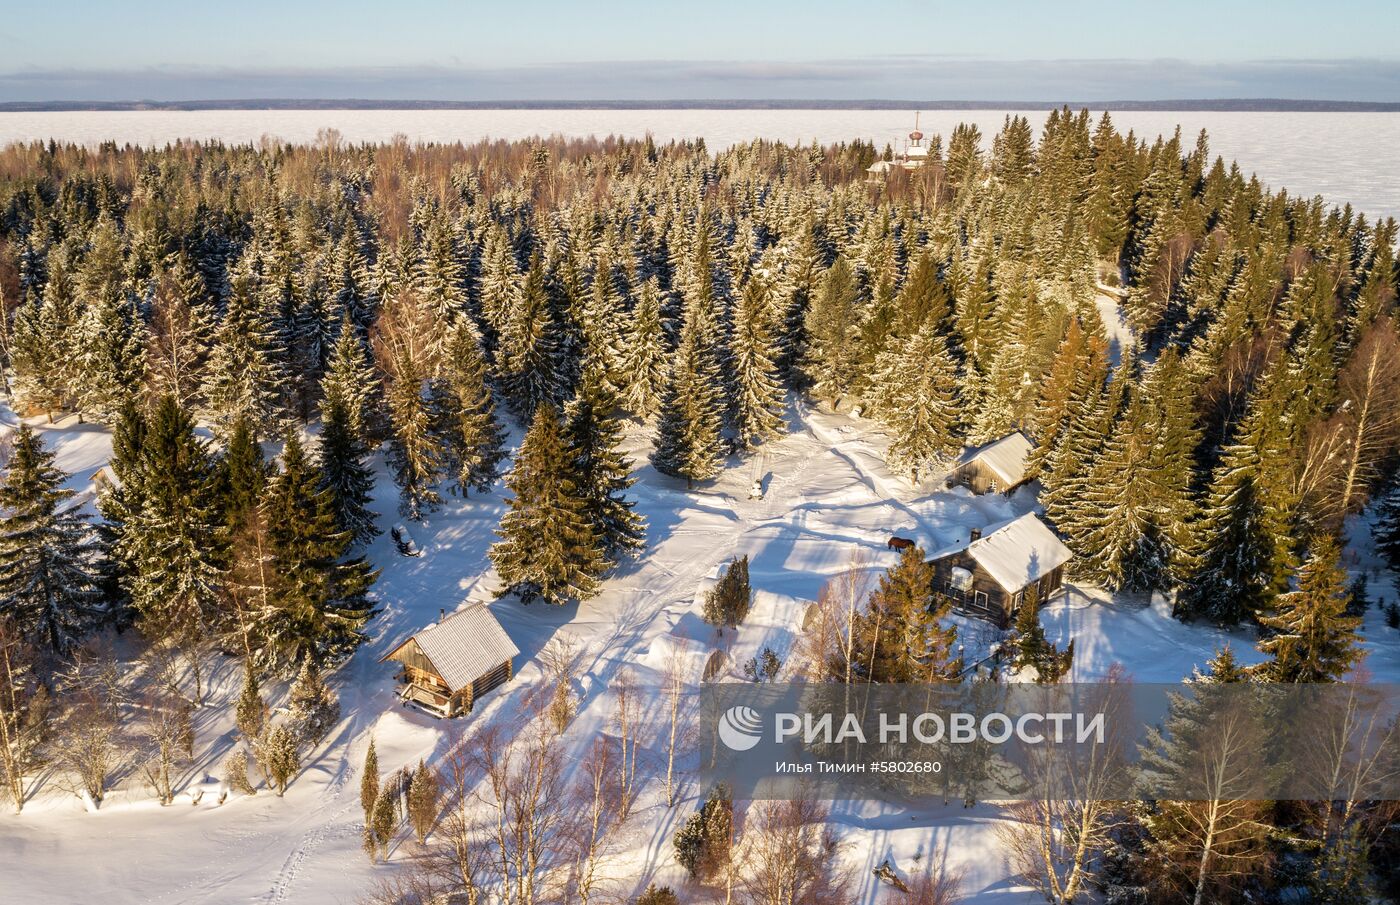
(442, 614)
(974, 534)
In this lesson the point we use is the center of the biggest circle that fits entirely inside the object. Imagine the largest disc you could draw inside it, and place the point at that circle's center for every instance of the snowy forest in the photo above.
(255, 325)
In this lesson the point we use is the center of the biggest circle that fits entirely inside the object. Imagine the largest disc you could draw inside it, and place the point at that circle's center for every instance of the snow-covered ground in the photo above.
(827, 496)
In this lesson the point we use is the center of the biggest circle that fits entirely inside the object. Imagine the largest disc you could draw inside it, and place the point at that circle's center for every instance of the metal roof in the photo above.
(464, 646)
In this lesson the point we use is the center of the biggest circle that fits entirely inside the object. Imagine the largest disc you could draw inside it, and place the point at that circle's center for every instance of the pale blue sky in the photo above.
(626, 49)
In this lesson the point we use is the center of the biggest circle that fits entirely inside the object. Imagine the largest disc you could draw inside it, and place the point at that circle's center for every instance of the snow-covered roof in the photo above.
(879, 166)
(464, 646)
(1015, 553)
(1005, 457)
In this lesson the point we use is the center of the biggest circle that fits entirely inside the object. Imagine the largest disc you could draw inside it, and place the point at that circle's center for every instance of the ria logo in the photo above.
(740, 728)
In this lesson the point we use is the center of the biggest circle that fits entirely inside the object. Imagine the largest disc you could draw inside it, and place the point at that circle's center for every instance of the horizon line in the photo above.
(1242, 105)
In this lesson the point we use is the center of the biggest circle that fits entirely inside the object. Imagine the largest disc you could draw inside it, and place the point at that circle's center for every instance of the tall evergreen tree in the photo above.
(110, 348)
(758, 393)
(920, 405)
(592, 435)
(344, 474)
(170, 543)
(831, 326)
(897, 635)
(644, 361)
(689, 443)
(352, 382)
(1313, 639)
(243, 474)
(319, 604)
(1137, 502)
(49, 559)
(465, 413)
(530, 361)
(242, 380)
(549, 547)
(404, 346)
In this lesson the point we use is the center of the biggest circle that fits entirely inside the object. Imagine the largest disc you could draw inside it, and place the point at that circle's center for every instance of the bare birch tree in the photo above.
(788, 854)
(596, 804)
(91, 744)
(674, 686)
(1056, 834)
(826, 649)
(166, 734)
(24, 714)
(627, 718)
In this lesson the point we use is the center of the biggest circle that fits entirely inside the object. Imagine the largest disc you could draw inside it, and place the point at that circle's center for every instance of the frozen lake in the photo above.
(1340, 156)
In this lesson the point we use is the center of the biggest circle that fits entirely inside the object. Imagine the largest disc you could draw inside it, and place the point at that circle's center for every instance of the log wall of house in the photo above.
(977, 477)
(1000, 606)
(997, 601)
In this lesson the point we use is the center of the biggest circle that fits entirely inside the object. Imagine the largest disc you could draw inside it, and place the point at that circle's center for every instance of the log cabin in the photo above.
(989, 573)
(448, 666)
(997, 467)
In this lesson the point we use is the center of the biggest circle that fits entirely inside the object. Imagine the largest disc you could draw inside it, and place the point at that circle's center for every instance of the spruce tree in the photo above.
(600, 319)
(250, 713)
(111, 355)
(688, 433)
(1312, 639)
(280, 755)
(369, 781)
(530, 360)
(728, 602)
(242, 380)
(352, 382)
(831, 325)
(49, 557)
(549, 547)
(758, 393)
(312, 706)
(318, 603)
(171, 543)
(243, 475)
(592, 435)
(439, 274)
(1132, 531)
(43, 341)
(1227, 581)
(414, 453)
(110, 349)
(898, 636)
(344, 475)
(424, 800)
(644, 359)
(920, 406)
(465, 413)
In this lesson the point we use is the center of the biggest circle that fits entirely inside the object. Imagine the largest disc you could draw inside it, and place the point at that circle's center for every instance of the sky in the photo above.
(1020, 50)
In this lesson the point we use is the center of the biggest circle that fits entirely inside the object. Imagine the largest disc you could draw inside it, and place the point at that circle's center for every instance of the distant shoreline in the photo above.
(1224, 105)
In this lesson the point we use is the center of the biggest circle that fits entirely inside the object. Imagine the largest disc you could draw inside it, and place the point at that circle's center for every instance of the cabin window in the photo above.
(960, 579)
(981, 599)
(992, 485)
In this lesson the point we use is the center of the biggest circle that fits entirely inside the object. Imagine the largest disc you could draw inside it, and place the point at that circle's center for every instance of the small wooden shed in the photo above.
(448, 666)
(997, 467)
(987, 575)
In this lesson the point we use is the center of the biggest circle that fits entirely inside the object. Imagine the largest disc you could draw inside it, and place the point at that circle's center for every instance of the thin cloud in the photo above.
(906, 76)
